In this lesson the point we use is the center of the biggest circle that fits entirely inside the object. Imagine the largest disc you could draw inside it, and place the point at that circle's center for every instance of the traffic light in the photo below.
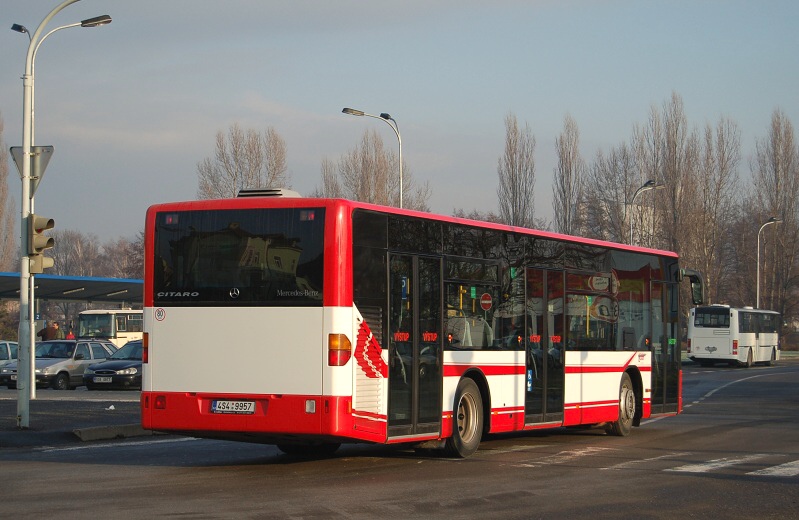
(38, 242)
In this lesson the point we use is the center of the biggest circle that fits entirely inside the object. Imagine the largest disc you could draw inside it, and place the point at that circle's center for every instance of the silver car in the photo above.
(8, 352)
(61, 363)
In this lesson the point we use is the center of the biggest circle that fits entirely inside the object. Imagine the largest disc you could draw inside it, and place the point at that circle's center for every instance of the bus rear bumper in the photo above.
(257, 417)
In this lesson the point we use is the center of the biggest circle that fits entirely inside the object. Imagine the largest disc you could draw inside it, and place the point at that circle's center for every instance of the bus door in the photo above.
(665, 348)
(415, 346)
(544, 347)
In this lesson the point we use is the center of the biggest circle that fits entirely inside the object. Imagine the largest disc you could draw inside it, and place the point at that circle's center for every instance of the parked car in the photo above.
(61, 363)
(8, 352)
(120, 371)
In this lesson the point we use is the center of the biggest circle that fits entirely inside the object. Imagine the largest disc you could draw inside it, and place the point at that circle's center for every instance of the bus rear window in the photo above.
(246, 257)
(712, 318)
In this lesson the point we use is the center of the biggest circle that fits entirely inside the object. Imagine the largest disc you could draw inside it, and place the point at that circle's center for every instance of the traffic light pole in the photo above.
(25, 366)
(26, 379)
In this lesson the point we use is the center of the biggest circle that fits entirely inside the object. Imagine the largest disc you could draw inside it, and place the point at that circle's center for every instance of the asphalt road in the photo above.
(733, 453)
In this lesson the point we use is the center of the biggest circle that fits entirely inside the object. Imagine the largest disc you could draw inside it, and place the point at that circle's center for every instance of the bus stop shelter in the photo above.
(123, 291)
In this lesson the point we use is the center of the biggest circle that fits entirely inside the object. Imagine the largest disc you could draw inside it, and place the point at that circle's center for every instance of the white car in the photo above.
(8, 352)
(60, 363)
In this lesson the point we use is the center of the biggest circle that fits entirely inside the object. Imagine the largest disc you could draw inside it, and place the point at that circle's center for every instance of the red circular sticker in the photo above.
(486, 301)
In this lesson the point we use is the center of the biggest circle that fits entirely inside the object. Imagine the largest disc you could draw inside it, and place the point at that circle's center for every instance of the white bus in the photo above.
(116, 325)
(738, 336)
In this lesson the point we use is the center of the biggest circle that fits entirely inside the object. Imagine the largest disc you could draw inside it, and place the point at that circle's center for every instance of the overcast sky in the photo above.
(131, 108)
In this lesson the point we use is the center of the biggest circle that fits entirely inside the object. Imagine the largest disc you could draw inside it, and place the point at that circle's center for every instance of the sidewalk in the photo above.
(58, 418)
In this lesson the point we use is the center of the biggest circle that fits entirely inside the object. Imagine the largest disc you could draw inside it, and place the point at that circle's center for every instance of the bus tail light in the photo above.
(339, 350)
(735, 347)
(689, 345)
(145, 347)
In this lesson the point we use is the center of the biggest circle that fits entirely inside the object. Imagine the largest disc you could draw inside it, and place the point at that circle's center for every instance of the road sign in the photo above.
(486, 301)
(40, 158)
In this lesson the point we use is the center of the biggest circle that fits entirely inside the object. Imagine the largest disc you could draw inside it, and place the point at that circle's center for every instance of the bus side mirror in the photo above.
(697, 285)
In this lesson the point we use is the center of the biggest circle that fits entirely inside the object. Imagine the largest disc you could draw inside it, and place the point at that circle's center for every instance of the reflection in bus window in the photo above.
(469, 317)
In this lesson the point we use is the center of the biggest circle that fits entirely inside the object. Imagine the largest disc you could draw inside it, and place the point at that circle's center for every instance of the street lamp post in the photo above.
(26, 381)
(388, 120)
(772, 220)
(648, 185)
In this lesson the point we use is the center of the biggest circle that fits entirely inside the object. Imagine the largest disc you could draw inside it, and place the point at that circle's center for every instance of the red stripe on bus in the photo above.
(489, 370)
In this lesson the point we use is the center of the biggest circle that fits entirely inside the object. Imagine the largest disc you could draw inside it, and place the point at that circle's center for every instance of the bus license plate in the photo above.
(101, 379)
(243, 407)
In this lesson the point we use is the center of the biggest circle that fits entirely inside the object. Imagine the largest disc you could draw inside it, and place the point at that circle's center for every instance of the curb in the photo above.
(96, 433)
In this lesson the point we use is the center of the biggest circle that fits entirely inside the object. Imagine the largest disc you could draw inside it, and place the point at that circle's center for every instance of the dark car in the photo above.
(121, 371)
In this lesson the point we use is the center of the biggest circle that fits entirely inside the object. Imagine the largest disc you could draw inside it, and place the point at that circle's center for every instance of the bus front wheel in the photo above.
(467, 427)
(627, 401)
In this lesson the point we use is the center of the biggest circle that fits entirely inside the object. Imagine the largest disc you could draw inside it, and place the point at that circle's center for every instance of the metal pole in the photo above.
(26, 380)
(386, 118)
(648, 186)
(772, 220)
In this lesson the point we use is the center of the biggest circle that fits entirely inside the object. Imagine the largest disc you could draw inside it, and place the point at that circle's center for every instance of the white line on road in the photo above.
(631, 463)
(789, 469)
(116, 445)
(716, 464)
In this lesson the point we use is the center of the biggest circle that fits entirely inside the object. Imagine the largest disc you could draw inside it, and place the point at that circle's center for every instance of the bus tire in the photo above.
(773, 359)
(623, 426)
(467, 420)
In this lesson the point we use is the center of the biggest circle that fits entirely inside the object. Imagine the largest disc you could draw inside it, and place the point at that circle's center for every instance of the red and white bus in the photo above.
(308, 323)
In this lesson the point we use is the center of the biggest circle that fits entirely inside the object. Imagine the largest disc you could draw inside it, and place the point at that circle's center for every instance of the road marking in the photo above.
(48, 449)
(562, 457)
(512, 449)
(716, 464)
(631, 463)
(709, 394)
(789, 469)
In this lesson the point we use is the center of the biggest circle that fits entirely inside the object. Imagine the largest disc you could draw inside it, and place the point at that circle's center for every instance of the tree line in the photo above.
(670, 186)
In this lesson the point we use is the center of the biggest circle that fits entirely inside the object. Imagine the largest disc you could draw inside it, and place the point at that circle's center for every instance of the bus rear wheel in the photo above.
(773, 359)
(749, 361)
(467, 427)
(627, 404)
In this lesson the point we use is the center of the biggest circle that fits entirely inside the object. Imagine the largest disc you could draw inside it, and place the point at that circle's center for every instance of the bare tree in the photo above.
(8, 215)
(477, 215)
(76, 254)
(243, 159)
(516, 171)
(709, 223)
(775, 169)
(610, 183)
(124, 258)
(567, 188)
(369, 173)
(666, 152)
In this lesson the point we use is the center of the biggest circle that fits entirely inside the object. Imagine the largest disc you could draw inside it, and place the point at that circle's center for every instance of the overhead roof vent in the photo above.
(268, 192)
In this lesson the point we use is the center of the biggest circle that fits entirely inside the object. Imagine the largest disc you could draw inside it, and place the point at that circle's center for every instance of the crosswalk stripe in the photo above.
(716, 464)
(633, 463)
(789, 469)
